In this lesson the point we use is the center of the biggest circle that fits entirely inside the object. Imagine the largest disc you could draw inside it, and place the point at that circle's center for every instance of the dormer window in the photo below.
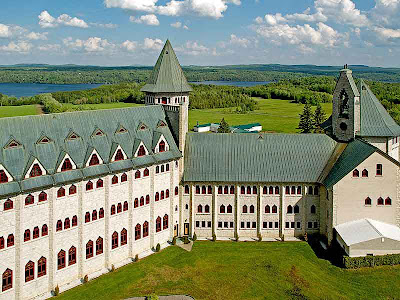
(142, 151)
(161, 146)
(121, 130)
(98, 132)
(44, 140)
(119, 155)
(94, 160)
(73, 136)
(67, 165)
(13, 144)
(142, 126)
(161, 124)
(36, 171)
(3, 176)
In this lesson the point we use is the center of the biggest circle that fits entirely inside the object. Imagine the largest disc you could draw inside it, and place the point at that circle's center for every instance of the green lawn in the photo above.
(13, 111)
(274, 115)
(246, 270)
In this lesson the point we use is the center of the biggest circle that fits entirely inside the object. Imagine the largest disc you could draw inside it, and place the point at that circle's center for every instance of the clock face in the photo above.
(343, 126)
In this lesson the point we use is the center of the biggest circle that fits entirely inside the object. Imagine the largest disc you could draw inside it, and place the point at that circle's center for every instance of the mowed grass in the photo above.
(279, 116)
(247, 270)
(14, 111)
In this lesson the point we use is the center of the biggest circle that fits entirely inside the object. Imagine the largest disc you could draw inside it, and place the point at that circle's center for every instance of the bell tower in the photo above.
(346, 107)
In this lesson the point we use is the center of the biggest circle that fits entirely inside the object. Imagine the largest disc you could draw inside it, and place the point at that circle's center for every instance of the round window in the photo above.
(343, 126)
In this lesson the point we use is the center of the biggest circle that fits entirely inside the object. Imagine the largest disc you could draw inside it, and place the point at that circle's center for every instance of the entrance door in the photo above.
(176, 230)
(186, 229)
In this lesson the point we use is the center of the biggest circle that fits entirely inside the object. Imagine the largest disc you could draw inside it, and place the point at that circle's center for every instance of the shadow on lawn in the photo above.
(334, 253)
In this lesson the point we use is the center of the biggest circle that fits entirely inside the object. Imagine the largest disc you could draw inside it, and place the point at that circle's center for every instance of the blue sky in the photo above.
(203, 32)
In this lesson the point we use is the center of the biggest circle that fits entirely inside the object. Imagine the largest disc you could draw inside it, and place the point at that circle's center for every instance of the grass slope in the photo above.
(251, 270)
(279, 116)
(13, 111)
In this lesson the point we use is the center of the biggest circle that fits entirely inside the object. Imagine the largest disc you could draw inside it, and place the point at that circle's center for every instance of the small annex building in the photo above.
(368, 237)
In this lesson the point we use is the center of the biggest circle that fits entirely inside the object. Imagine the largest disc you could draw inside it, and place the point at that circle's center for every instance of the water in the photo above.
(32, 89)
(233, 83)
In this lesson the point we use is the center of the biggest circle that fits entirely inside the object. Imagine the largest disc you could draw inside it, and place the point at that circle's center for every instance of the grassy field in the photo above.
(13, 111)
(274, 115)
(249, 270)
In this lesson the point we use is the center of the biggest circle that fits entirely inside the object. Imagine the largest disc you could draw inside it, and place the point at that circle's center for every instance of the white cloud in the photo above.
(274, 19)
(388, 33)
(176, 25)
(5, 31)
(195, 48)
(37, 36)
(48, 21)
(108, 25)
(150, 44)
(151, 20)
(129, 45)
(91, 45)
(49, 47)
(19, 47)
(243, 42)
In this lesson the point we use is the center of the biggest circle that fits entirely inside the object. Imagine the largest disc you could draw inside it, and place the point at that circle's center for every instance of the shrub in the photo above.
(214, 237)
(371, 261)
(85, 279)
(194, 237)
(158, 247)
(174, 241)
(186, 240)
(112, 268)
(57, 291)
(152, 297)
(136, 257)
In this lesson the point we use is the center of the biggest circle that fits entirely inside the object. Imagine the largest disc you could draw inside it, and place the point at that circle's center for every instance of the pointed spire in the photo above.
(167, 75)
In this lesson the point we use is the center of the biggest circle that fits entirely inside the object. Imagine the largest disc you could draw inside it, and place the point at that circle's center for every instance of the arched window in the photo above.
(161, 146)
(89, 249)
(27, 235)
(244, 209)
(3, 177)
(203, 190)
(226, 189)
(368, 201)
(147, 199)
(8, 205)
(45, 230)
(176, 191)
(146, 173)
(67, 165)
(36, 232)
(137, 174)
(124, 237)
(187, 189)
(99, 183)
(141, 201)
(119, 208)
(200, 209)
(101, 213)
(222, 209)
(277, 190)
(87, 217)
(252, 209)
(114, 180)
(72, 190)
(162, 168)
(229, 209)
(7, 280)
(274, 209)
(271, 190)
(380, 201)
(89, 186)
(145, 229)
(207, 209)
(119, 155)
(74, 221)
(94, 160)
(36, 171)
(72, 256)
(388, 201)
(365, 173)
(94, 215)
(113, 209)
(296, 209)
(99, 246)
(289, 209)
(265, 190)
(158, 224)
(157, 169)
(299, 190)
(316, 191)
(209, 190)
(287, 190)
(310, 190)
(293, 190)
(41, 267)
(136, 203)
(42, 197)
(232, 190)
(220, 190)
(242, 190)
(356, 173)
(114, 240)
(67, 223)
(126, 205)
(249, 190)
(142, 151)
(61, 192)
(313, 209)
(165, 222)
(167, 167)
(167, 193)
(29, 200)
(29, 271)
(254, 190)
(10, 240)
(162, 195)
(157, 196)
(2, 243)
(59, 225)
(124, 177)
(138, 232)
(267, 209)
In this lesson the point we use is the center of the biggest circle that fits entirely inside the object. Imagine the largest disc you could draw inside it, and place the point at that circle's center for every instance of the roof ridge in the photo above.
(372, 225)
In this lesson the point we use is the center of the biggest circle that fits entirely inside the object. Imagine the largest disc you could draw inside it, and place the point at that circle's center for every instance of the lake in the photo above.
(233, 83)
(32, 89)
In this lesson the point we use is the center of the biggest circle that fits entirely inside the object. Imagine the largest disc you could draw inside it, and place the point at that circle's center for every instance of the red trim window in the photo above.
(3, 176)
(45, 230)
(141, 201)
(114, 240)
(124, 177)
(142, 151)
(126, 205)
(59, 225)
(74, 221)
(89, 249)
(244, 210)
(220, 190)
(380, 201)
(61, 260)
(145, 229)
(7, 280)
(42, 197)
(277, 190)
(119, 208)
(87, 217)
(114, 180)
(161, 146)
(229, 209)
(242, 190)
(119, 155)
(290, 209)
(27, 235)
(226, 189)
(158, 224)
(293, 190)
(124, 237)
(252, 209)
(162, 195)
(10, 240)
(209, 190)
(379, 170)
(94, 215)
(167, 193)
(72, 256)
(113, 210)
(287, 190)
(2, 244)
(232, 190)
(137, 174)
(36, 171)
(267, 209)
(147, 199)
(274, 209)
(271, 190)
(167, 167)
(254, 190)
(299, 190)
(101, 213)
(157, 169)
(41, 268)
(176, 191)
(162, 169)
(248, 190)
(157, 198)
(61, 192)
(203, 190)
(187, 191)
(136, 203)
(222, 209)
(36, 232)
(29, 200)
(388, 201)
(72, 190)
(67, 223)
(200, 209)
(29, 271)
(165, 222)
(99, 183)
(94, 160)
(207, 209)
(138, 230)
(146, 172)
(89, 186)
(368, 201)
(67, 165)
(99, 246)
(365, 173)
(265, 190)
(8, 205)
(356, 173)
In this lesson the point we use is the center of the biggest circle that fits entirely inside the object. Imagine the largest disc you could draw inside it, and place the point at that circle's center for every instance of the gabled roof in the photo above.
(167, 75)
(256, 157)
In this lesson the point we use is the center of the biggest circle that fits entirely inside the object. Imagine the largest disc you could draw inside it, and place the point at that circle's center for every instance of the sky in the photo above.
(202, 32)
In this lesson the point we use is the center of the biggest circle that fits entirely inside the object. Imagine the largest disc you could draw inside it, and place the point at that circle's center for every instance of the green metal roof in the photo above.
(256, 157)
(167, 75)
(10, 188)
(375, 120)
(355, 153)
(246, 126)
(36, 182)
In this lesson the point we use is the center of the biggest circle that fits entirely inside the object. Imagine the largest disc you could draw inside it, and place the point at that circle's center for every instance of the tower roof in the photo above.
(167, 75)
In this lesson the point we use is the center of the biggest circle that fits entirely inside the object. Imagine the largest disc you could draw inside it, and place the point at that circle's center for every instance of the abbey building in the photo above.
(84, 191)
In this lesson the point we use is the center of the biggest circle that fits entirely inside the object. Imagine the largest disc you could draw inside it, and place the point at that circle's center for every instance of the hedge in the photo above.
(371, 261)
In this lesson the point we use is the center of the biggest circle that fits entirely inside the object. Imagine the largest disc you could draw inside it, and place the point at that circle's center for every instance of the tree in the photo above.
(318, 118)
(224, 127)
(306, 119)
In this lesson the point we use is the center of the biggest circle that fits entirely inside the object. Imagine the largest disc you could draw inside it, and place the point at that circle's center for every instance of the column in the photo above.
(236, 210)
(81, 220)
(304, 209)
(107, 212)
(282, 212)
(52, 253)
(131, 230)
(18, 202)
(259, 210)
(214, 210)
(152, 228)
